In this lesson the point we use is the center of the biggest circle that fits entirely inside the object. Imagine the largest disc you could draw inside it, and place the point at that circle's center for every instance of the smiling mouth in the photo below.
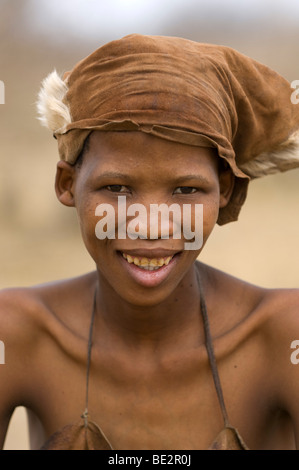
(148, 264)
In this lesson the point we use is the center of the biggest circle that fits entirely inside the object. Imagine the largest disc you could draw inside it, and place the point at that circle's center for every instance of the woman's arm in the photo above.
(282, 335)
(18, 337)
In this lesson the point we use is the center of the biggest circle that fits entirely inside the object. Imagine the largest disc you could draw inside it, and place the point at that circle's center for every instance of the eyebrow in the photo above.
(179, 180)
(112, 175)
(200, 178)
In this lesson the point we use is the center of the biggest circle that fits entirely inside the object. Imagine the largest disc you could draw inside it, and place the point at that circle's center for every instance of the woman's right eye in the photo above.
(185, 190)
(116, 188)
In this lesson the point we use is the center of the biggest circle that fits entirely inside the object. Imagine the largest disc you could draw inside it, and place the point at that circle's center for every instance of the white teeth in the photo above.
(149, 264)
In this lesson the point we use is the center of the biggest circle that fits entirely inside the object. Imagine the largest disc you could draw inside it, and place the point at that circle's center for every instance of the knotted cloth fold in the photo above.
(193, 93)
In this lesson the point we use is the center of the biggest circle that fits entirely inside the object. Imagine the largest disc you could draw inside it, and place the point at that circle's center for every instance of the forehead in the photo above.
(141, 152)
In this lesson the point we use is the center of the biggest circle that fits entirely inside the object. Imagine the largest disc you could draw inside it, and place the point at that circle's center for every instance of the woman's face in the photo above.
(145, 170)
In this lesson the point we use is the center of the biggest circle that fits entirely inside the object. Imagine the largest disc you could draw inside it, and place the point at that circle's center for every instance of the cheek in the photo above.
(210, 215)
(209, 218)
(87, 220)
(94, 222)
(86, 209)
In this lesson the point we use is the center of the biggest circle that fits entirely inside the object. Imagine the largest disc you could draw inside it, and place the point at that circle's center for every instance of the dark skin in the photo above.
(150, 383)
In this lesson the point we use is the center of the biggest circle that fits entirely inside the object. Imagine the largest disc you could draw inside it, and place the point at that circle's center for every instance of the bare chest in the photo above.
(165, 407)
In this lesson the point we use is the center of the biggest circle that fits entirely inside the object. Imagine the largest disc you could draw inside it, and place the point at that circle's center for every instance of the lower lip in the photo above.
(149, 278)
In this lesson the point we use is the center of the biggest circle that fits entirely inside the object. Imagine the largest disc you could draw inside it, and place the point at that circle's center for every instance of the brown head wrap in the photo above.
(196, 94)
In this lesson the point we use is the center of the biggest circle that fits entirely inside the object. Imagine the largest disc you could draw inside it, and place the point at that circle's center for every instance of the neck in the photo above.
(151, 326)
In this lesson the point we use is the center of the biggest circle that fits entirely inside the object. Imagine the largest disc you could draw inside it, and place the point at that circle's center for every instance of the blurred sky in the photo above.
(89, 18)
(260, 28)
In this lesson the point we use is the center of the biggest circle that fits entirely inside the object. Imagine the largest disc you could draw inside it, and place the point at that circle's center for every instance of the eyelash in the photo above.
(119, 186)
(194, 190)
(115, 186)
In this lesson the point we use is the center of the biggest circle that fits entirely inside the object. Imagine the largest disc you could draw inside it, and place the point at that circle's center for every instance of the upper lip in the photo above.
(154, 253)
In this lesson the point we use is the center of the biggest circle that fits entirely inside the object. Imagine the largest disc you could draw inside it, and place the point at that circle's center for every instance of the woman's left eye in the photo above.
(185, 190)
(116, 188)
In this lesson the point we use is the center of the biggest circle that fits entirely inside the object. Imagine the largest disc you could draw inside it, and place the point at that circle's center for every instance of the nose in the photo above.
(154, 221)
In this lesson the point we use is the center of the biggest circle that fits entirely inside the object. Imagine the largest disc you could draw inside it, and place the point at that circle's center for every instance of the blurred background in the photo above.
(40, 239)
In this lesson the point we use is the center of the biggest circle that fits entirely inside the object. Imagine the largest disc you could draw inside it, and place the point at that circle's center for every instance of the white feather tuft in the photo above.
(283, 159)
(52, 110)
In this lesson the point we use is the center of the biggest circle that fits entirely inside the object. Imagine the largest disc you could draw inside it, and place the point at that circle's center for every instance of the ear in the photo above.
(226, 181)
(64, 183)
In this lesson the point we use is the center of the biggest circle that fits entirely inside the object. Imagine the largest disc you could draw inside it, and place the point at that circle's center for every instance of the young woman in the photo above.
(154, 349)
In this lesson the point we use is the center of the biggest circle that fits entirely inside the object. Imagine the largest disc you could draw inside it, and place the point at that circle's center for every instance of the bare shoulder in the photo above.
(225, 282)
(281, 313)
(37, 324)
(272, 312)
(19, 315)
(280, 332)
(19, 329)
(25, 311)
(278, 323)
(32, 317)
(264, 336)
(269, 314)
